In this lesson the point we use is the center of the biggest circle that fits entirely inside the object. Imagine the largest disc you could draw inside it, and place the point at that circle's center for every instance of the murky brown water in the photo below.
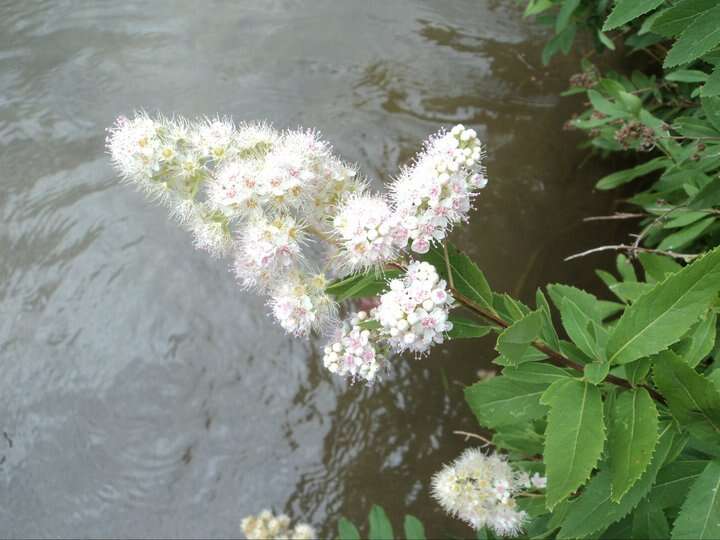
(141, 392)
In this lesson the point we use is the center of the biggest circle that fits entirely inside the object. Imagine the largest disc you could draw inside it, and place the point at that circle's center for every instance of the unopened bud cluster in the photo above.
(480, 489)
(293, 217)
(266, 526)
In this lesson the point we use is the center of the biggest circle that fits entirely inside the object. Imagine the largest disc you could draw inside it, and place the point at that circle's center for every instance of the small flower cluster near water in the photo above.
(293, 217)
(266, 526)
(481, 489)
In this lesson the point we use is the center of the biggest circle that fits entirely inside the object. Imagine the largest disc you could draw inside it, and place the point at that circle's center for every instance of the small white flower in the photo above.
(214, 139)
(300, 304)
(267, 250)
(354, 350)
(414, 312)
(364, 227)
(436, 192)
(210, 231)
(479, 489)
(265, 526)
(235, 187)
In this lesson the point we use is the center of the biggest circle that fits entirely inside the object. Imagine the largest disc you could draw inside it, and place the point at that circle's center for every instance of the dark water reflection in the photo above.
(142, 394)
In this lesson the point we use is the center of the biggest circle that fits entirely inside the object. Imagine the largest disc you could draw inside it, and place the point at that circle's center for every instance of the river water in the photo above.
(141, 392)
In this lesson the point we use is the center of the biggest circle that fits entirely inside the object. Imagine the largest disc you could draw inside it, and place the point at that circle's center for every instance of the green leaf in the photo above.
(663, 315)
(693, 399)
(467, 328)
(686, 236)
(674, 481)
(636, 371)
(583, 331)
(699, 517)
(537, 6)
(566, 11)
(537, 373)
(574, 436)
(595, 372)
(699, 342)
(515, 340)
(467, 277)
(503, 401)
(520, 438)
(630, 291)
(361, 285)
(594, 510)
(548, 333)
(619, 178)
(707, 197)
(674, 20)
(657, 267)
(561, 42)
(346, 530)
(712, 87)
(632, 435)
(711, 108)
(698, 38)
(687, 76)
(380, 526)
(605, 40)
(588, 303)
(414, 529)
(649, 521)
(625, 268)
(627, 10)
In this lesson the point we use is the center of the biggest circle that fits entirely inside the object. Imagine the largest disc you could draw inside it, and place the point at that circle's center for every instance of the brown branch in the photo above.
(554, 356)
(469, 435)
(633, 250)
(617, 215)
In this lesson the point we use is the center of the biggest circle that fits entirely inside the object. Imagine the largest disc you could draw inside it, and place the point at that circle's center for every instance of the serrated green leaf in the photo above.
(503, 401)
(595, 372)
(547, 333)
(678, 17)
(693, 399)
(699, 37)
(674, 481)
(414, 529)
(583, 331)
(625, 268)
(520, 438)
(467, 328)
(636, 371)
(467, 277)
(699, 342)
(627, 10)
(699, 517)
(594, 510)
(632, 435)
(649, 522)
(687, 76)
(588, 303)
(380, 526)
(662, 316)
(515, 340)
(630, 291)
(707, 197)
(574, 437)
(619, 178)
(346, 530)
(361, 285)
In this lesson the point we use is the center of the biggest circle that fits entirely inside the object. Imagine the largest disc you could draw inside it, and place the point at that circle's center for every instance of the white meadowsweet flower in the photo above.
(413, 313)
(214, 138)
(337, 181)
(135, 147)
(480, 489)
(364, 226)
(234, 188)
(300, 304)
(353, 350)
(292, 169)
(266, 526)
(210, 231)
(436, 192)
(255, 139)
(267, 249)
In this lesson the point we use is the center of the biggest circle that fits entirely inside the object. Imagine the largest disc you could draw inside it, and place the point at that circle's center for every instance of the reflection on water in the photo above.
(143, 394)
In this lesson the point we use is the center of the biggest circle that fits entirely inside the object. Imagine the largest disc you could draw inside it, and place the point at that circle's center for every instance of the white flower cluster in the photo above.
(413, 314)
(436, 192)
(279, 202)
(266, 526)
(353, 350)
(480, 489)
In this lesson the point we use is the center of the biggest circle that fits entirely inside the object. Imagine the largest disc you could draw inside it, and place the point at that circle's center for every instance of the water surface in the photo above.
(142, 393)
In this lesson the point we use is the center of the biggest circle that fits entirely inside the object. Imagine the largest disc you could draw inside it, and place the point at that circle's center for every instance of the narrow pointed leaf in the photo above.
(414, 529)
(346, 530)
(699, 517)
(664, 314)
(574, 437)
(699, 37)
(627, 10)
(632, 435)
(380, 526)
